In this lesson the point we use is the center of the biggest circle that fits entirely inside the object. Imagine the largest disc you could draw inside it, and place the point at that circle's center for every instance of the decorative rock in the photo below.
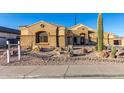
(36, 49)
(103, 54)
(84, 50)
(3, 55)
(57, 53)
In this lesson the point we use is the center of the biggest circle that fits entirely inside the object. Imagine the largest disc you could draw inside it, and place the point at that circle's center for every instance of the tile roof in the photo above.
(81, 25)
(45, 22)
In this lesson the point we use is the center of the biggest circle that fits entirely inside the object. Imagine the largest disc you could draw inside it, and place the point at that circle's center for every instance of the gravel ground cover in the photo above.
(48, 58)
(34, 59)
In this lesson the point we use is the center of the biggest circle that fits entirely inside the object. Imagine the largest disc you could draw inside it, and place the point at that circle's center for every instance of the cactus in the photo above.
(113, 52)
(100, 32)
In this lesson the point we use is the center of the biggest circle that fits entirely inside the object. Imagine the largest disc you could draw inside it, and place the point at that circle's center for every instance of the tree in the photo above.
(100, 32)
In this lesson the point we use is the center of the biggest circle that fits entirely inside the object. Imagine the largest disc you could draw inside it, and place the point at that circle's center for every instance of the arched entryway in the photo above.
(41, 37)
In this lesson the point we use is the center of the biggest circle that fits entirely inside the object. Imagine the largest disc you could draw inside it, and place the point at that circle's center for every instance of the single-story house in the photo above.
(47, 35)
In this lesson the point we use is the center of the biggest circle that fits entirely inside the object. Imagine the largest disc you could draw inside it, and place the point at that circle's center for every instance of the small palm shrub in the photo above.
(70, 50)
(113, 52)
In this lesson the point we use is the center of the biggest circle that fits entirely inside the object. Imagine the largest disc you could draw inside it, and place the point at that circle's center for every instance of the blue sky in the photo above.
(113, 22)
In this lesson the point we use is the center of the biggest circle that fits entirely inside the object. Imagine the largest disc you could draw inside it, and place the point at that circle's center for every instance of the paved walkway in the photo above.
(63, 71)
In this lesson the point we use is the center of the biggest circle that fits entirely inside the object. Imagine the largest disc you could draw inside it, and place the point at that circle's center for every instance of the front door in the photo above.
(75, 41)
(82, 40)
(69, 40)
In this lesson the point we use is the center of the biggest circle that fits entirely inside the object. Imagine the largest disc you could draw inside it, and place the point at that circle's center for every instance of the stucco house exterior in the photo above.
(8, 34)
(47, 35)
(82, 35)
(44, 35)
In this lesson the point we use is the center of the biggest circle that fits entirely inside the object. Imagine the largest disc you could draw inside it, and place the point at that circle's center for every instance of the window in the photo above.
(117, 42)
(42, 25)
(83, 28)
(41, 37)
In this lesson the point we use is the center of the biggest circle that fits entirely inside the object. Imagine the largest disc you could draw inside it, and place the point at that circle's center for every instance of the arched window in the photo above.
(41, 37)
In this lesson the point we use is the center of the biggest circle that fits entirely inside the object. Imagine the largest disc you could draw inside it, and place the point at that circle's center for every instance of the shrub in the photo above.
(70, 50)
(113, 52)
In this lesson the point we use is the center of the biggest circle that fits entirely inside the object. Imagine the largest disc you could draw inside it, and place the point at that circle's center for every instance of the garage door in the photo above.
(2, 41)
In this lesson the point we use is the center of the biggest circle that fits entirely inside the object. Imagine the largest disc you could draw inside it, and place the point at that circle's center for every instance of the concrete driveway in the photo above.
(100, 71)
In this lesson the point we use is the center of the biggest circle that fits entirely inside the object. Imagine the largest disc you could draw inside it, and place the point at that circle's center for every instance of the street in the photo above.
(94, 71)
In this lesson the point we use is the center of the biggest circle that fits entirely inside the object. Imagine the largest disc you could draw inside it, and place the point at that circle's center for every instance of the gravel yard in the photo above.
(47, 58)
(34, 59)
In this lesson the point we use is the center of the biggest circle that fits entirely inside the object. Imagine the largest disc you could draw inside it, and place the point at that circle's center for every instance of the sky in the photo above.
(112, 22)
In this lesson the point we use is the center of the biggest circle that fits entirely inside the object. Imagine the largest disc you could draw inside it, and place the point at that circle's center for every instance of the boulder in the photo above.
(36, 49)
(3, 55)
(57, 51)
(84, 50)
(102, 54)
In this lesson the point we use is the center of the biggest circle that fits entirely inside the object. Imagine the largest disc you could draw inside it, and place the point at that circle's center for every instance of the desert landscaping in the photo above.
(79, 55)
(38, 54)
(45, 50)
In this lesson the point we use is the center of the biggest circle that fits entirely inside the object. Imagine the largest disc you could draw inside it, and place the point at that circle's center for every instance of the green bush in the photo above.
(113, 51)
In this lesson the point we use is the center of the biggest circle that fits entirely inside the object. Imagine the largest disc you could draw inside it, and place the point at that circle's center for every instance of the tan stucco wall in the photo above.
(123, 42)
(62, 36)
(27, 41)
(52, 40)
(30, 31)
(80, 30)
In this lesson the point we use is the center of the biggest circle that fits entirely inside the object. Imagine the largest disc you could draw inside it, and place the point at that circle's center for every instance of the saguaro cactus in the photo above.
(100, 32)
